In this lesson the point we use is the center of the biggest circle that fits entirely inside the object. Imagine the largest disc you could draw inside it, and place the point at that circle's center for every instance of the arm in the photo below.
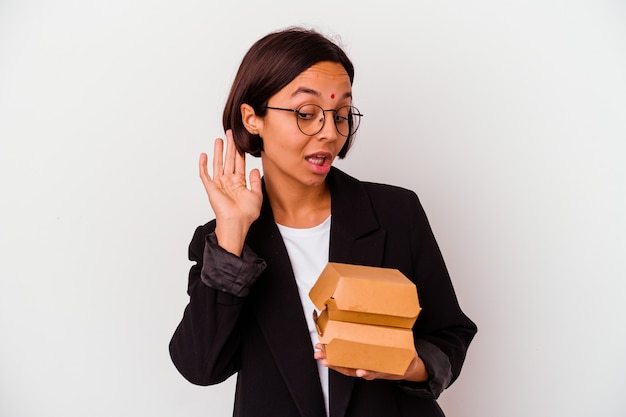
(204, 347)
(442, 331)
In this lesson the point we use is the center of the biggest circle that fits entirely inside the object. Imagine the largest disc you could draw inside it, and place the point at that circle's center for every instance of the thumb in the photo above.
(255, 181)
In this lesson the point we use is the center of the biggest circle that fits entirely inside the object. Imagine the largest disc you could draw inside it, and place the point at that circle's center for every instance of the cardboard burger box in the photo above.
(366, 316)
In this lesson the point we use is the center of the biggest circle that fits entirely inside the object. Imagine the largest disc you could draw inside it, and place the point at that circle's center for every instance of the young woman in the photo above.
(249, 312)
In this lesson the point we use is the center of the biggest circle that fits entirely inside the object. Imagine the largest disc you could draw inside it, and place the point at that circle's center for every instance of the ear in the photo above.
(252, 122)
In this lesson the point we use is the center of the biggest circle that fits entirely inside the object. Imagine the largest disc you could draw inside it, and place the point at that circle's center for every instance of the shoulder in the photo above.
(378, 193)
(388, 191)
(395, 203)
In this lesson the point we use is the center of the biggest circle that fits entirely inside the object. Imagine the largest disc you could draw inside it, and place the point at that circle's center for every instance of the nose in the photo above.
(329, 130)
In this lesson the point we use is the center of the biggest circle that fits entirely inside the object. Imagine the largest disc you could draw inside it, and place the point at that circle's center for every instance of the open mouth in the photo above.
(317, 159)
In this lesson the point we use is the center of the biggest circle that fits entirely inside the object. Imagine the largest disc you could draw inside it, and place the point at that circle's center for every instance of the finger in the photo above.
(255, 186)
(204, 174)
(218, 155)
(361, 373)
(344, 371)
(357, 373)
(240, 163)
(240, 160)
(231, 153)
(202, 167)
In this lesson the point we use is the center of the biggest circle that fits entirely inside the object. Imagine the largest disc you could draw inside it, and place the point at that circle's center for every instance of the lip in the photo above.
(319, 162)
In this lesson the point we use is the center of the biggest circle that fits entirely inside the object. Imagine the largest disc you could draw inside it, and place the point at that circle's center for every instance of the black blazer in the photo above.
(260, 332)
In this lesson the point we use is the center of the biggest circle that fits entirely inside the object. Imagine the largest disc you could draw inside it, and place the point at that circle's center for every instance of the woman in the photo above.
(249, 311)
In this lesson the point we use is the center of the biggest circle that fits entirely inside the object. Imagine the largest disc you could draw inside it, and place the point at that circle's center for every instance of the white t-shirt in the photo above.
(308, 252)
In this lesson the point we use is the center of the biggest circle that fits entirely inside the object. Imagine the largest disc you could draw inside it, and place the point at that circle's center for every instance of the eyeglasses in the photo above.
(311, 118)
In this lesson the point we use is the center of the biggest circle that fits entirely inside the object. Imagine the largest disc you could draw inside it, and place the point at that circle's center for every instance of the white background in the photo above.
(507, 118)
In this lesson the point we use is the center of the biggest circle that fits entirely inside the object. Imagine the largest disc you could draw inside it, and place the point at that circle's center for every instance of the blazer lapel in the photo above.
(355, 238)
(276, 304)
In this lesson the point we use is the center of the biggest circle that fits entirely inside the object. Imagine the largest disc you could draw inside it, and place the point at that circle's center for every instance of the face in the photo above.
(290, 156)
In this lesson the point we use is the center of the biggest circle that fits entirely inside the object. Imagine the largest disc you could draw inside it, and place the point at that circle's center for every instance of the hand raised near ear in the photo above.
(235, 205)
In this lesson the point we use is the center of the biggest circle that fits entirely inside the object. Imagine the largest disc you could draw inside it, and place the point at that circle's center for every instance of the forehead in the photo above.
(325, 70)
(323, 77)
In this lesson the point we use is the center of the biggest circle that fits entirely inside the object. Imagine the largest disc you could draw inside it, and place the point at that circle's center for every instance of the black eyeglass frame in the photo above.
(357, 113)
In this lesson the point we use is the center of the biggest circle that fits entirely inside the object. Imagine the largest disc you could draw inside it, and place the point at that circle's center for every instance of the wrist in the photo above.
(417, 371)
(231, 237)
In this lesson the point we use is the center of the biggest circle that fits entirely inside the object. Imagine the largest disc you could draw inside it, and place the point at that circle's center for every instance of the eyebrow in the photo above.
(305, 90)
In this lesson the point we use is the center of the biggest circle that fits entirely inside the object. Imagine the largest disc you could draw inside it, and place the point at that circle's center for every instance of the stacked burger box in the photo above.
(366, 316)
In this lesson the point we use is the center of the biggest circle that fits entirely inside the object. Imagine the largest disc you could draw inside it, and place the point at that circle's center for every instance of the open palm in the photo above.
(235, 205)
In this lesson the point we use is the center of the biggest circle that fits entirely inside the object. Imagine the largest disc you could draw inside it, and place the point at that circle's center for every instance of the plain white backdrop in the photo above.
(507, 118)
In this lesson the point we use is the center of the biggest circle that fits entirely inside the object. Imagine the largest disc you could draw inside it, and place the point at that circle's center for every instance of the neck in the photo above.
(298, 207)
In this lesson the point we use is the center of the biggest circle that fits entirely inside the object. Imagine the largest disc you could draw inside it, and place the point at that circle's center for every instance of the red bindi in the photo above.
(332, 95)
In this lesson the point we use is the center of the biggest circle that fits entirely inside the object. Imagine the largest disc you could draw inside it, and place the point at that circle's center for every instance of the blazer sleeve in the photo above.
(205, 345)
(442, 331)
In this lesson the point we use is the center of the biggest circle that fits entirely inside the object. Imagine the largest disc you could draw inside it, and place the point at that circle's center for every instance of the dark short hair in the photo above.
(269, 65)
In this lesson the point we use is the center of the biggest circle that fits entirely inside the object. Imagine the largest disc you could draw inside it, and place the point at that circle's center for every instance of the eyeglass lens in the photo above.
(311, 119)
